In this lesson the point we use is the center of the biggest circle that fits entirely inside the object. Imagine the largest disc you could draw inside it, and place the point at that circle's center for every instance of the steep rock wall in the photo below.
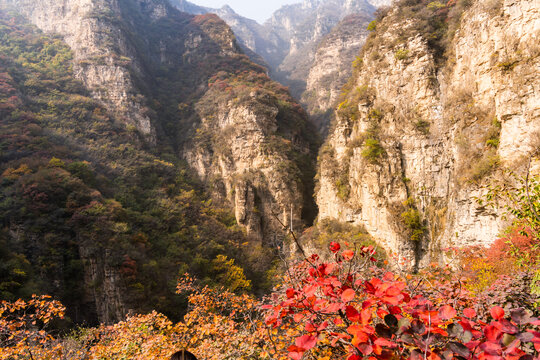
(251, 160)
(102, 52)
(332, 66)
(419, 134)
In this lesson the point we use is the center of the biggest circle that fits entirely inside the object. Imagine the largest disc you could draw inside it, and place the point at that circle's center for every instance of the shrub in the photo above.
(484, 166)
(343, 188)
(55, 162)
(494, 134)
(401, 54)
(412, 219)
(346, 311)
(507, 65)
(373, 150)
(422, 126)
(511, 291)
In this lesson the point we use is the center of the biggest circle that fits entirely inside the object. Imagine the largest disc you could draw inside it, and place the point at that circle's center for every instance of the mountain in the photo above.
(140, 142)
(301, 27)
(289, 40)
(190, 8)
(251, 36)
(331, 67)
(442, 104)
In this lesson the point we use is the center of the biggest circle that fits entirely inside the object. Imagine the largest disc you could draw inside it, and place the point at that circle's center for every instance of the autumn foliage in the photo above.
(345, 308)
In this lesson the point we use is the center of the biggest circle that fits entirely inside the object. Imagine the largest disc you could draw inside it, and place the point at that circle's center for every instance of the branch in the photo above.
(527, 189)
(297, 242)
(28, 348)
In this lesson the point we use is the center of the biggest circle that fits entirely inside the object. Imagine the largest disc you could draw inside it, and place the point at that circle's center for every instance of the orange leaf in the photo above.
(348, 295)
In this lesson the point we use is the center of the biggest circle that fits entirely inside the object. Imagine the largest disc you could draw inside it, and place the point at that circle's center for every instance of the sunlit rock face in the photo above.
(441, 123)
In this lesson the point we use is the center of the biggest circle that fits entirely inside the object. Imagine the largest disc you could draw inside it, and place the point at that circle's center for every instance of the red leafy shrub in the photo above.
(345, 309)
(517, 249)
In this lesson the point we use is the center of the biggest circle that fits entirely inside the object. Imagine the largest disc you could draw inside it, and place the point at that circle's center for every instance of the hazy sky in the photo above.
(259, 10)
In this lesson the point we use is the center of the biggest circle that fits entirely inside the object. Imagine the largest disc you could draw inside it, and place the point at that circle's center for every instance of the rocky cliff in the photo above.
(133, 54)
(332, 68)
(180, 89)
(301, 27)
(443, 96)
(102, 52)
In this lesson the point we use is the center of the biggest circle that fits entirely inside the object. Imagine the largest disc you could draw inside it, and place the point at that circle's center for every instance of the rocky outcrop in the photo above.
(106, 286)
(302, 27)
(251, 158)
(424, 125)
(331, 67)
(101, 50)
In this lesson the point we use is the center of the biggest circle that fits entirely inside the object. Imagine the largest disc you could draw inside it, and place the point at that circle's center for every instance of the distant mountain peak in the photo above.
(227, 8)
(310, 4)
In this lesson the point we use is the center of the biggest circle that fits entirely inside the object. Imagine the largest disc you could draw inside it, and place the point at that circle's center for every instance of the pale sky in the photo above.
(259, 10)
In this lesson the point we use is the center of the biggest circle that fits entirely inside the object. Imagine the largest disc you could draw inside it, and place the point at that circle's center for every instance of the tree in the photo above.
(23, 328)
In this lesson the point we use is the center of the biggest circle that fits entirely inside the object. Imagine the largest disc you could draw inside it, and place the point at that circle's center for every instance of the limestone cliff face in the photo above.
(302, 27)
(251, 159)
(332, 66)
(102, 52)
(420, 133)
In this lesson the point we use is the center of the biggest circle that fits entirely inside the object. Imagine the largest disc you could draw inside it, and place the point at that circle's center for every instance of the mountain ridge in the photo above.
(186, 77)
(288, 40)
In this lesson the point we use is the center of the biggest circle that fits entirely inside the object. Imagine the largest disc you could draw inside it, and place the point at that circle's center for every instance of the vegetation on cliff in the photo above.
(78, 188)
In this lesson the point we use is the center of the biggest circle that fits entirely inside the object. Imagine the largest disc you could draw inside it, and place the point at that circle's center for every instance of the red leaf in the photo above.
(290, 293)
(348, 295)
(365, 349)
(334, 247)
(295, 352)
(333, 307)
(352, 314)
(470, 313)
(381, 313)
(497, 312)
(491, 348)
(447, 312)
(388, 276)
(395, 310)
(306, 342)
(323, 326)
(393, 291)
(492, 333)
(384, 342)
(347, 255)
(359, 336)
(365, 316)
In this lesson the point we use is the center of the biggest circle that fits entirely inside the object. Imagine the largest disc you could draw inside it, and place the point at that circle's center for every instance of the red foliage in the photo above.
(129, 267)
(345, 309)
(519, 240)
